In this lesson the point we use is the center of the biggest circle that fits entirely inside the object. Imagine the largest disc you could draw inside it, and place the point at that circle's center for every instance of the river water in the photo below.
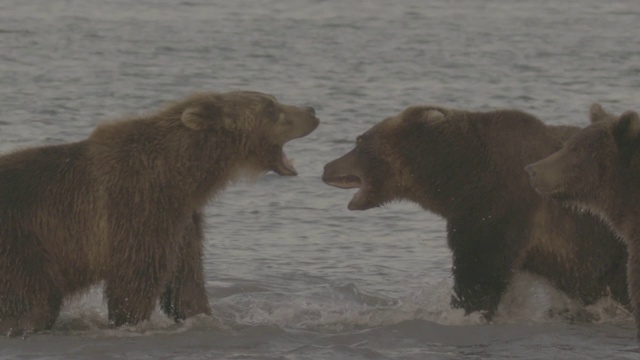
(291, 273)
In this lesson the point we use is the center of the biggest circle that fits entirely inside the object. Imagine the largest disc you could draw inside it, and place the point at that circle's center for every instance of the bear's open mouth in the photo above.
(360, 199)
(344, 182)
(559, 194)
(547, 190)
(284, 165)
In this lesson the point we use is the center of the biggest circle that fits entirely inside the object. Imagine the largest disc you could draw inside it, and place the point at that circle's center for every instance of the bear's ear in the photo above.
(434, 116)
(628, 127)
(423, 115)
(202, 116)
(597, 113)
(626, 133)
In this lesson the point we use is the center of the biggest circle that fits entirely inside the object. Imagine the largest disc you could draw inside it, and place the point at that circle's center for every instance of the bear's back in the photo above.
(510, 140)
(26, 176)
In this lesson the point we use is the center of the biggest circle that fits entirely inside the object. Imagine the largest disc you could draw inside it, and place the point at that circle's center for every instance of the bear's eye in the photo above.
(285, 119)
(271, 111)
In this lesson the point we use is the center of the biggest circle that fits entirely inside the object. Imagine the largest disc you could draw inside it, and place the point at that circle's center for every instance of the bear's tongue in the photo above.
(349, 181)
(284, 166)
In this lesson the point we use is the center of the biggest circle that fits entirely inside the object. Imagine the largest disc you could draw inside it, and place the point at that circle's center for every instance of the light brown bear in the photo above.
(598, 169)
(467, 167)
(125, 206)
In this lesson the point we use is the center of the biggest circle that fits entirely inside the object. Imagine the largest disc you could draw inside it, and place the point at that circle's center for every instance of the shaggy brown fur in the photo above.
(467, 168)
(124, 206)
(598, 169)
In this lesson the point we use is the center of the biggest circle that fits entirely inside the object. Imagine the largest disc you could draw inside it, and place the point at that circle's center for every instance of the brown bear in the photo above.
(598, 169)
(125, 206)
(467, 167)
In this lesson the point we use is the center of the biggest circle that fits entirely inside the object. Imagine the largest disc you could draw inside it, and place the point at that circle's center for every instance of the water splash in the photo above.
(342, 307)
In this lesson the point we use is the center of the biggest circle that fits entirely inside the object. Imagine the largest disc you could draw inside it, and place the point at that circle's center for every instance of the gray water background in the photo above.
(291, 273)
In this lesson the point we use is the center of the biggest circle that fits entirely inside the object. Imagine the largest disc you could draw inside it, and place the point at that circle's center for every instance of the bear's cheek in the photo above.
(374, 192)
(581, 179)
(592, 176)
(549, 176)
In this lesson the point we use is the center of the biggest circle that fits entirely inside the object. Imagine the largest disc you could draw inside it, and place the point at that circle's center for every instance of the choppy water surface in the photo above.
(291, 273)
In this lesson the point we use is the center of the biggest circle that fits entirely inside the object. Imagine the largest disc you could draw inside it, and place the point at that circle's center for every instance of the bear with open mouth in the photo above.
(467, 167)
(124, 206)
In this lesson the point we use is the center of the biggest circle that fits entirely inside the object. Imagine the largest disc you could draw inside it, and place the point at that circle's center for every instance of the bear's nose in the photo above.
(310, 110)
(531, 170)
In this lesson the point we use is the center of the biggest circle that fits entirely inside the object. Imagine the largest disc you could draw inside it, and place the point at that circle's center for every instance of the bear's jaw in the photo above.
(360, 200)
(283, 165)
(557, 193)
(544, 188)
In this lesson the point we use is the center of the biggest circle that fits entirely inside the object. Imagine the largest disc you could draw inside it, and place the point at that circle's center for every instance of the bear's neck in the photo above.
(171, 157)
(452, 179)
(226, 162)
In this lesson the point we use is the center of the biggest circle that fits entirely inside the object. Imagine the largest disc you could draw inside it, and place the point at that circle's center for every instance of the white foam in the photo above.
(533, 298)
(529, 299)
(87, 315)
(341, 307)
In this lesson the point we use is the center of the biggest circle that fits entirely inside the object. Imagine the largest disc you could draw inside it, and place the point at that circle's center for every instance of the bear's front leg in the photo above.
(633, 270)
(482, 267)
(129, 301)
(133, 285)
(185, 295)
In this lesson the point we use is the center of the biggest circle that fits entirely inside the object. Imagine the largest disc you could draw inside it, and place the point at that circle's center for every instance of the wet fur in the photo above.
(468, 168)
(598, 169)
(124, 207)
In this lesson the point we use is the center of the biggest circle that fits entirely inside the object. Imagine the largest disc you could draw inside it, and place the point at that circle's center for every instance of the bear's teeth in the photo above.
(288, 163)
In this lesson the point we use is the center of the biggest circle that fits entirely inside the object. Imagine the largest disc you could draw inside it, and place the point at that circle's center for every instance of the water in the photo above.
(291, 273)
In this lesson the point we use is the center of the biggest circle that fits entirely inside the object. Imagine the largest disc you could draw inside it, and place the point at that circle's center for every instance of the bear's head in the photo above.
(596, 166)
(260, 123)
(383, 164)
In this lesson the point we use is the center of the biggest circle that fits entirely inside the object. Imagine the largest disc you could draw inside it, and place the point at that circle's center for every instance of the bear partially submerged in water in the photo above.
(598, 169)
(124, 206)
(467, 167)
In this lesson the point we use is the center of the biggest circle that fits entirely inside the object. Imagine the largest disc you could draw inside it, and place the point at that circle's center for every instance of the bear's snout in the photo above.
(310, 110)
(531, 170)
